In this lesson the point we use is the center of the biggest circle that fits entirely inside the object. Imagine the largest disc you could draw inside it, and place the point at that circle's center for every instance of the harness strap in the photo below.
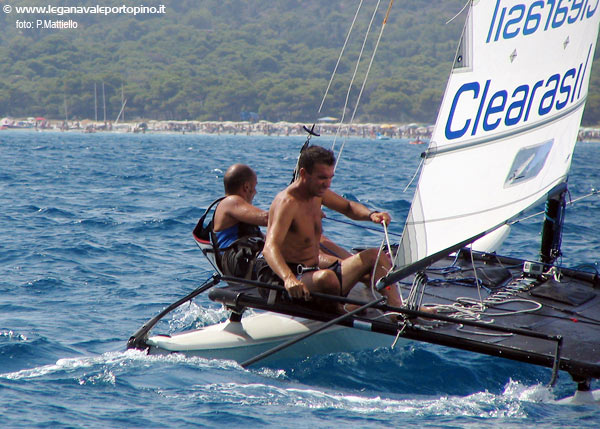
(204, 232)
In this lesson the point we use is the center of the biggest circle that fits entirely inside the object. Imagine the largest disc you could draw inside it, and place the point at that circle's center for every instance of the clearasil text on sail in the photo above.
(492, 106)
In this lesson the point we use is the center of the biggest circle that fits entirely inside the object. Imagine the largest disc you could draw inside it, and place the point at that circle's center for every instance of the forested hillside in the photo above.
(213, 59)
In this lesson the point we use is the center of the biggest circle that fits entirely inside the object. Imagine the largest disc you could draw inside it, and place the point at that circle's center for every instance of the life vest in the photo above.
(237, 259)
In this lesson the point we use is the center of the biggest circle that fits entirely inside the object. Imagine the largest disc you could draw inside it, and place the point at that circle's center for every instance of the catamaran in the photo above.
(509, 117)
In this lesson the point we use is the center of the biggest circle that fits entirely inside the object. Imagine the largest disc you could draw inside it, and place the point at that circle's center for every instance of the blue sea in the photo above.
(96, 239)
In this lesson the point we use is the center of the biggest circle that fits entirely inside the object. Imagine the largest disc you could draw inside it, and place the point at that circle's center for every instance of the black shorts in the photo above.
(266, 275)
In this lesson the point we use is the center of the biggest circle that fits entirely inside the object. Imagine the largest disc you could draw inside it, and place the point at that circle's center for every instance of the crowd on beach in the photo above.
(366, 130)
(589, 134)
(262, 127)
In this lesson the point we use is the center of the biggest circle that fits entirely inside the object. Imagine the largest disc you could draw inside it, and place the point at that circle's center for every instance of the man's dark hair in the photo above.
(236, 176)
(315, 155)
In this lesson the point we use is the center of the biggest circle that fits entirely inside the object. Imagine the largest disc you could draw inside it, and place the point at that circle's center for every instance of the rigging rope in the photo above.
(461, 11)
(351, 84)
(371, 61)
(358, 60)
(385, 240)
(481, 306)
(387, 14)
(569, 203)
(472, 309)
(415, 175)
(340, 57)
(312, 132)
(360, 226)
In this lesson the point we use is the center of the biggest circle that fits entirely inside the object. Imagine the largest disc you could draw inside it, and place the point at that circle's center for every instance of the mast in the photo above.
(95, 103)
(104, 102)
(121, 111)
(66, 114)
(123, 101)
(553, 223)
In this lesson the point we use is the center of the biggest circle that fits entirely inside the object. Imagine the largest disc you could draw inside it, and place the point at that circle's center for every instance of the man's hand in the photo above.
(296, 289)
(379, 217)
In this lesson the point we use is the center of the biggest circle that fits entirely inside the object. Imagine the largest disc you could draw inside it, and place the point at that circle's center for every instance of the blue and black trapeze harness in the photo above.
(236, 248)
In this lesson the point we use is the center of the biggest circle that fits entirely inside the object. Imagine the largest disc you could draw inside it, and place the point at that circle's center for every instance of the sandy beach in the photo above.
(381, 131)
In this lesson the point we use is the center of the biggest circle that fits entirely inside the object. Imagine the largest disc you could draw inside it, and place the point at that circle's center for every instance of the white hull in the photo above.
(582, 398)
(255, 334)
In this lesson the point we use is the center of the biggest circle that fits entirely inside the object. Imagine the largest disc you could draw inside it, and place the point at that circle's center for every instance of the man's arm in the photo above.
(281, 215)
(236, 209)
(353, 209)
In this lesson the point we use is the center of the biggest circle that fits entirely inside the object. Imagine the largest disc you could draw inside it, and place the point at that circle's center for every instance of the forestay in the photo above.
(508, 122)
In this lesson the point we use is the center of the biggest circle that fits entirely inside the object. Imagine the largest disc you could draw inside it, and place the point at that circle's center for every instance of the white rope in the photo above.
(385, 240)
(476, 278)
(400, 332)
(470, 309)
(594, 192)
(554, 272)
(414, 175)
(368, 69)
(373, 291)
(415, 297)
(536, 306)
(352, 80)
(340, 57)
(367, 73)
(461, 11)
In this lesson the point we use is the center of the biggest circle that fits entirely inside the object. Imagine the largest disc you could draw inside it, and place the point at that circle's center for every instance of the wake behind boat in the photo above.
(505, 135)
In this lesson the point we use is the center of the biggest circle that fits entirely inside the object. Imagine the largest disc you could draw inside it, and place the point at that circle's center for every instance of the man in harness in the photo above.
(235, 216)
(235, 226)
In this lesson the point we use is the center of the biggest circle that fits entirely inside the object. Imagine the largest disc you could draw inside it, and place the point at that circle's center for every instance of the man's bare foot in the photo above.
(424, 309)
(430, 310)
(347, 308)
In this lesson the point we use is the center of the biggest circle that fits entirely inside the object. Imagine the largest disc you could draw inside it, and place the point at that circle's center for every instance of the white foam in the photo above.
(112, 360)
(13, 335)
(538, 393)
(193, 315)
(481, 405)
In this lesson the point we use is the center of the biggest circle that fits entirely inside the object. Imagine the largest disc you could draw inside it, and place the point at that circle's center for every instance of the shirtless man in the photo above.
(294, 232)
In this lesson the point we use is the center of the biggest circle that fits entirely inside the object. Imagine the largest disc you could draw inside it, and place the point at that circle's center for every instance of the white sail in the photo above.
(508, 122)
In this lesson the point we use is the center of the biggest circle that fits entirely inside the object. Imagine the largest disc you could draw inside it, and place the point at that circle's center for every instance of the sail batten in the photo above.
(508, 122)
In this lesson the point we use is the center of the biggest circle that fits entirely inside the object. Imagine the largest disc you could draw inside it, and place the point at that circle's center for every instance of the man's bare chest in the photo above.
(307, 222)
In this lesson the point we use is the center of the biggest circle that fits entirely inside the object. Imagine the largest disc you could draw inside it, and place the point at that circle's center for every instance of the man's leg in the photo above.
(356, 266)
(323, 281)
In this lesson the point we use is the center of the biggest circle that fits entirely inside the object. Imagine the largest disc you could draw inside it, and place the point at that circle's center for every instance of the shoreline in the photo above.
(413, 131)
(260, 128)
